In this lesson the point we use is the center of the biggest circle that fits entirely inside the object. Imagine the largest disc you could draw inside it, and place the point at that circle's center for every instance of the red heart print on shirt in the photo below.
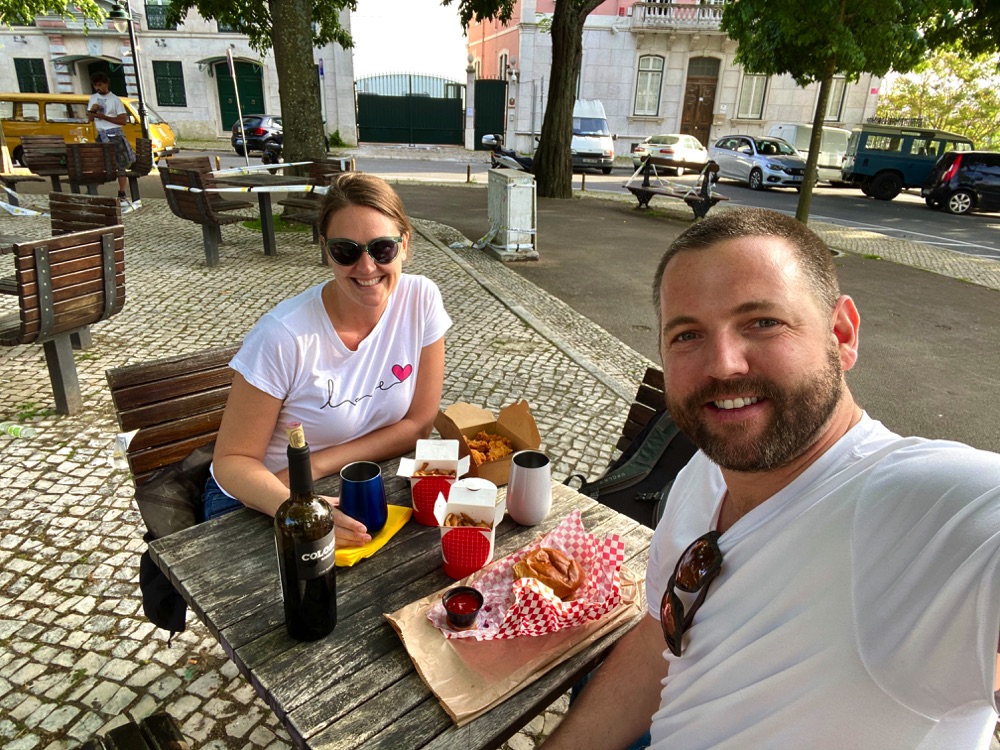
(402, 373)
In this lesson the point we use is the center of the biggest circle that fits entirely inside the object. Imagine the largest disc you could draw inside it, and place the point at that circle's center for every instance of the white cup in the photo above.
(529, 489)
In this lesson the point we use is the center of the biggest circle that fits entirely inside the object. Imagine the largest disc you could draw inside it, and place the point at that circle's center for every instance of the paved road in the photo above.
(906, 217)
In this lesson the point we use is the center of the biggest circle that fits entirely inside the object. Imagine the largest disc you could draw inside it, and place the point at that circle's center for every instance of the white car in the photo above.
(759, 162)
(674, 146)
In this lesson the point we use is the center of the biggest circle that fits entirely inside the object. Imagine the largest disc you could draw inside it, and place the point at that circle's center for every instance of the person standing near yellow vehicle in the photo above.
(109, 116)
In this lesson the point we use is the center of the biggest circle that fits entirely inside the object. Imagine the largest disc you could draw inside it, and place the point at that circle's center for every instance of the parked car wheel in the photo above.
(886, 186)
(960, 202)
(606, 170)
(679, 171)
(239, 151)
(756, 179)
(932, 203)
(866, 188)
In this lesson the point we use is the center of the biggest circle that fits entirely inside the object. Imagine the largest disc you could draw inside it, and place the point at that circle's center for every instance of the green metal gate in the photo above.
(491, 109)
(410, 108)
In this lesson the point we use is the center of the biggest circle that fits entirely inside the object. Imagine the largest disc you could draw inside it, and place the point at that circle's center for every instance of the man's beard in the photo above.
(799, 412)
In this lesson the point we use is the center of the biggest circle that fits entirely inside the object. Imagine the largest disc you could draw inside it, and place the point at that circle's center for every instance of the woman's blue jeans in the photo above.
(215, 502)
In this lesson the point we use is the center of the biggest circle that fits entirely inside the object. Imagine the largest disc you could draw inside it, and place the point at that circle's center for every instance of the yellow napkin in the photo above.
(398, 516)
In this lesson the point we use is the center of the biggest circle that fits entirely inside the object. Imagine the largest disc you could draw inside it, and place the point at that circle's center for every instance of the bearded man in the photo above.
(815, 581)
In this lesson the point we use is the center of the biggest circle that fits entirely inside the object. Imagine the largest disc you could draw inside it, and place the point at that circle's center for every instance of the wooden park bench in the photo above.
(192, 203)
(45, 156)
(90, 165)
(141, 167)
(175, 403)
(156, 732)
(64, 284)
(645, 183)
(305, 208)
(10, 180)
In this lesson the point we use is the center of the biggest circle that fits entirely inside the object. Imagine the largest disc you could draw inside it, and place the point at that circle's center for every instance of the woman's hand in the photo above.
(350, 533)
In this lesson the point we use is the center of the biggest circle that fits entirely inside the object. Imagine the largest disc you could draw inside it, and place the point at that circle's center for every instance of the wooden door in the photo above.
(699, 99)
(250, 80)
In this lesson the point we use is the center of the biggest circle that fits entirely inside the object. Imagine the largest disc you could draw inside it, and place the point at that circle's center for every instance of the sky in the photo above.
(408, 36)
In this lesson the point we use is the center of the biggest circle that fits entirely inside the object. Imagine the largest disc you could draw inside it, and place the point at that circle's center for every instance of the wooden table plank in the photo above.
(358, 686)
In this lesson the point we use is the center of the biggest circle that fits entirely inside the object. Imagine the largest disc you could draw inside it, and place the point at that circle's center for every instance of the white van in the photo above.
(831, 150)
(593, 145)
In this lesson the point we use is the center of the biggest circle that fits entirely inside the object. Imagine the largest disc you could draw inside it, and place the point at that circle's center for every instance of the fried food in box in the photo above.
(461, 519)
(557, 570)
(423, 471)
(486, 447)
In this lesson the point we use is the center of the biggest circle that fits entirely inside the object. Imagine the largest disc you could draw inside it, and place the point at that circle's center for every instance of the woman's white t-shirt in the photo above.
(294, 354)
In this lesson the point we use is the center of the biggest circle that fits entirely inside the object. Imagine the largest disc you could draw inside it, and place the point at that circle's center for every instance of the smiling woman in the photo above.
(358, 361)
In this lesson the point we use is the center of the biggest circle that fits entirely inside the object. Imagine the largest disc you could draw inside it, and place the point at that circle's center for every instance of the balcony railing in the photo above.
(156, 18)
(668, 16)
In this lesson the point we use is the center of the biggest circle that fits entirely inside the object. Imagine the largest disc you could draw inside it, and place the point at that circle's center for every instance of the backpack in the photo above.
(637, 482)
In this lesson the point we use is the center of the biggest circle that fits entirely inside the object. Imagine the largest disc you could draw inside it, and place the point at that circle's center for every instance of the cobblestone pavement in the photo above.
(77, 657)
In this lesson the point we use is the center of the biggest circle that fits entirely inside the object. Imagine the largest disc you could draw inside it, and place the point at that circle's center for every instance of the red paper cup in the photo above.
(465, 550)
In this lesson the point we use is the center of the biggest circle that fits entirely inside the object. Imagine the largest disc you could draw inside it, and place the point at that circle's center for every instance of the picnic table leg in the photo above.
(133, 188)
(81, 338)
(62, 374)
(56, 184)
(211, 236)
(266, 223)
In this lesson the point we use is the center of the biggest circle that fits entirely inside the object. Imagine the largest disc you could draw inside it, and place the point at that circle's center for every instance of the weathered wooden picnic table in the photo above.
(358, 686)
(259, 182)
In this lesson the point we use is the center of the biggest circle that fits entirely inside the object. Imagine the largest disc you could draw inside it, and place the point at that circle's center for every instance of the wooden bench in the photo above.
(141, 167)
(156, 732)
(649, 399)
(304, 208)
(10, 180)
(90, 165)
(45, 156)
(193, 204)
(65, 283)
(175, 403)
(645, 183)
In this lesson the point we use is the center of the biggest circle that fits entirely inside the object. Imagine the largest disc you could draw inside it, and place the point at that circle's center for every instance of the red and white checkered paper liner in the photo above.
(526, 606)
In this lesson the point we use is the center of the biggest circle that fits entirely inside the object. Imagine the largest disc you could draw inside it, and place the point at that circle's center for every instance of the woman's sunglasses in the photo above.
(695, 570)
(383, 250)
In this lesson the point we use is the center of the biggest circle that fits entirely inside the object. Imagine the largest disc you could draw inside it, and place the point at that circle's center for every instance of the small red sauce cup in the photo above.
(461, 607)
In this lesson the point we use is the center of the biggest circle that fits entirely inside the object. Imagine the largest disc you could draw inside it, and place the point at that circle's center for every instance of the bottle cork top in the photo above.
(296, 435)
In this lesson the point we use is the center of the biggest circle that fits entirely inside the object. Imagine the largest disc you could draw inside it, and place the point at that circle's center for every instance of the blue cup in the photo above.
(362, 495)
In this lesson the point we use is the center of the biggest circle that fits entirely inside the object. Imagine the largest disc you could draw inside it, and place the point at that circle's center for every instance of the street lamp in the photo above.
(121, 19)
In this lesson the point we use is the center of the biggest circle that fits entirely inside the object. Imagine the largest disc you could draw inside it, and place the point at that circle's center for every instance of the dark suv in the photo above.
(261, 131)
(963, 180)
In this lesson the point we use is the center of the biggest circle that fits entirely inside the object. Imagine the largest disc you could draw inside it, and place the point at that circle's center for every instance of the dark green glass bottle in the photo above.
(305, 539)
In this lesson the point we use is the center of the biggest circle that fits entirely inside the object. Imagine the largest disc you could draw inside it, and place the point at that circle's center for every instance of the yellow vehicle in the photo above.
(66, 115)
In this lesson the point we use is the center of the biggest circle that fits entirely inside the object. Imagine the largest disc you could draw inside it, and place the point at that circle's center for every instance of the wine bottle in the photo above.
(305, 540)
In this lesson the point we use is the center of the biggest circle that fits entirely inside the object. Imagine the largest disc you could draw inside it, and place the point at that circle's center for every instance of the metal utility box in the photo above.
(513, 213)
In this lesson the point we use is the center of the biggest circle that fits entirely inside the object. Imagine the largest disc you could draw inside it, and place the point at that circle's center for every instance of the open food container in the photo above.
(514, 424)
(468, 521)
(432, 472)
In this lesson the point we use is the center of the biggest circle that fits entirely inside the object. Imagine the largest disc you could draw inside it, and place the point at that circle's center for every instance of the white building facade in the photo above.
(658, 67)
(184, 69)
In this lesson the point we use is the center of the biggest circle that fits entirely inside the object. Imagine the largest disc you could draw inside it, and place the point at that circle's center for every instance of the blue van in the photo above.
(884, 159)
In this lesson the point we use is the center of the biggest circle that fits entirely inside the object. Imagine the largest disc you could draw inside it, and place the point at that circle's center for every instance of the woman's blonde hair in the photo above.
(361, 189)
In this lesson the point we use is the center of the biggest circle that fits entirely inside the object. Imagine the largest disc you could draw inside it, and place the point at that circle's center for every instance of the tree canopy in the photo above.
(17, 12)
(949, 91)
(553, 163)
(841, 37)
(972, 25)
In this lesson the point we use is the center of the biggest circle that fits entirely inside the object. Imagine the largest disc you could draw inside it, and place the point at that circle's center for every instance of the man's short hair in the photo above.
(812, 253)
(100, 78)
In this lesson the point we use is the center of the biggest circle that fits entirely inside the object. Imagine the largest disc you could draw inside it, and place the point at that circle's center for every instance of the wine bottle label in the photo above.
(313, 559)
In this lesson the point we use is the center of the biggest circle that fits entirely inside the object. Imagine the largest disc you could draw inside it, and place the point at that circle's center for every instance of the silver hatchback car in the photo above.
(759, 162)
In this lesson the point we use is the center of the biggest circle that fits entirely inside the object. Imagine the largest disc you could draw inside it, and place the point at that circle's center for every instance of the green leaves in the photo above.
(21, 12)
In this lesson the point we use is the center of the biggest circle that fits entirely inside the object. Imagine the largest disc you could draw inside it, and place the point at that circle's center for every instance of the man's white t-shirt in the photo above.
(111, 105)
(294, 354)
(859, 607)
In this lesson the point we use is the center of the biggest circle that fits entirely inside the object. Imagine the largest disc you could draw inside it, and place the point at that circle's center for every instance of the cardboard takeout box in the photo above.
(465, 549)
(461, 422)
(424, 490)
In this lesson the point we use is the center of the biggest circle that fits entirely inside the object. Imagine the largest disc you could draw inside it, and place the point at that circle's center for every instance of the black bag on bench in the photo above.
(638, 482)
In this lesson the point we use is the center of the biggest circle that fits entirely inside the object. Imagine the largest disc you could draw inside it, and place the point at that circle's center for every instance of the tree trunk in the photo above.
(553, 163)
(298, 81)
(815, 143)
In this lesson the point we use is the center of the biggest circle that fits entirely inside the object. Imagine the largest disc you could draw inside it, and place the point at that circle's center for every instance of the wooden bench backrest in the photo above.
(91, 163)
(660, 163)
(44, 154)
(175, 403)
(77, 213)
(193, 206)
(143, 156)
(321, 172)
(649, 399)
(67, 282)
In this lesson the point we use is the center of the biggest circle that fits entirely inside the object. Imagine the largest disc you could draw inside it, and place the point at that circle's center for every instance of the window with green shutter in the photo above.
(168, 77)
(31, 77)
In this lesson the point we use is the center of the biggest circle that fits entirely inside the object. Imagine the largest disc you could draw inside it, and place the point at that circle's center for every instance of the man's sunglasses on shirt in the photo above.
(695, 570)
(383, 250)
